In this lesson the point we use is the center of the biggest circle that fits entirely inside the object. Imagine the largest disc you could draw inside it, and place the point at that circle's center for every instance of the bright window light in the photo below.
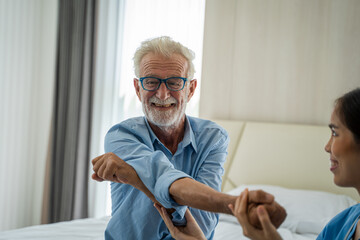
(182, 20)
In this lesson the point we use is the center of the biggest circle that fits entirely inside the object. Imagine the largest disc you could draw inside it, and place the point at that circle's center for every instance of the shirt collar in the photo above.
(189, 136)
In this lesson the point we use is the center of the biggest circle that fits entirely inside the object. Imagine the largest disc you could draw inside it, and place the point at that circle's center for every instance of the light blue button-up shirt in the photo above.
(200, 156)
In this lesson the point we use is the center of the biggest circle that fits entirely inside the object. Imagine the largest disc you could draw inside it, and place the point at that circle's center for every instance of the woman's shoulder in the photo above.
(340, 224)
(353, 210)
(347, 214)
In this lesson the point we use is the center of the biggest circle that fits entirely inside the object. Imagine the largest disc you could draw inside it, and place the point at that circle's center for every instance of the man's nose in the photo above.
(163, 93)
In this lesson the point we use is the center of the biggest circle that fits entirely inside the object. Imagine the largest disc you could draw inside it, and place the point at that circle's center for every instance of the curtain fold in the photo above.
(68, 188)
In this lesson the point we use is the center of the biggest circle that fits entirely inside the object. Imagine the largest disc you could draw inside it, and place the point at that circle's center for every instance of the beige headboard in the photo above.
(286, 155)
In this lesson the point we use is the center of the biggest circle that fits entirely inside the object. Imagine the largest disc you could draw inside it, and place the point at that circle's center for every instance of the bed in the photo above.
(287, 160)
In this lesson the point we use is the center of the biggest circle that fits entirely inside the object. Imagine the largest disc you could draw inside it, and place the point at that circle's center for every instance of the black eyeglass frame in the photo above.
(163, 80)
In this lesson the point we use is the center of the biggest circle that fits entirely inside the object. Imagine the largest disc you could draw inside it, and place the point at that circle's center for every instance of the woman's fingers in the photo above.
(165, 216)
(269, 229)
(265, 220)
(189, 217)
(241, 210)
(235, 207)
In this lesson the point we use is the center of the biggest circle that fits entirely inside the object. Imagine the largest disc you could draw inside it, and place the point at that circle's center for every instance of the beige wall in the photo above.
(278, 60)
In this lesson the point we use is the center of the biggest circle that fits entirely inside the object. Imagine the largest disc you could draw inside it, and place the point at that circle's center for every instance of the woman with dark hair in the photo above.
(344, 149)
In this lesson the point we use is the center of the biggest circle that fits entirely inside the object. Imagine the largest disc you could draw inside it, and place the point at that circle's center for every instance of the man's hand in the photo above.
(266, 231)
(276, 212)
(191, 231)
(112, 168)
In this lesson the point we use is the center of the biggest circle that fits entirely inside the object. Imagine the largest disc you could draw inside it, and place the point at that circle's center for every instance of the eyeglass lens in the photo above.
(171, 83)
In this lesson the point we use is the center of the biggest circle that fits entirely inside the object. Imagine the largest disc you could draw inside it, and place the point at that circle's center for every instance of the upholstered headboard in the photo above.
(286, 155)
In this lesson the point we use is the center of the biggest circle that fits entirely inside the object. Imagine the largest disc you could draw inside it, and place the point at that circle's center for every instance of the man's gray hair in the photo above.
(166, 47)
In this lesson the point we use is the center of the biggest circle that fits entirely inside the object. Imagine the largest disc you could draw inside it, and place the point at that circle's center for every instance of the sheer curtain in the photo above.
(68, 188)
(27, 69)
(123, 25)
(109, 29)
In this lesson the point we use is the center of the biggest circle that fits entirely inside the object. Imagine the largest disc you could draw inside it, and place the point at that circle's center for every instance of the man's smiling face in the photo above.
(163, 107)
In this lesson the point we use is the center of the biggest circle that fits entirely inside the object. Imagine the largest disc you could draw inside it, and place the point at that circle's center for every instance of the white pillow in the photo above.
(307, 211)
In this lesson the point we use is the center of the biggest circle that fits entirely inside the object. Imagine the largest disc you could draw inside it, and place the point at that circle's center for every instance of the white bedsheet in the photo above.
(93, 229)
(90, 228)
(229, 229)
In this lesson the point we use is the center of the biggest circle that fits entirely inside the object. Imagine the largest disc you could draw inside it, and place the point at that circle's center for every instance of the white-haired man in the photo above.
(165, 157)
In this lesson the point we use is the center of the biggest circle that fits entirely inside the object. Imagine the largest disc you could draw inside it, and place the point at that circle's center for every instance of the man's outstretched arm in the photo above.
(189, 192)
(184, 191)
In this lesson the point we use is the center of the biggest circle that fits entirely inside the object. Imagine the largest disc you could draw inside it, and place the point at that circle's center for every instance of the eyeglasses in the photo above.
(172, 83)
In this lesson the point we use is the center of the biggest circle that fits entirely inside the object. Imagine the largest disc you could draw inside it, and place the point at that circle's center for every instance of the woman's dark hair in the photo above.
(348, 108)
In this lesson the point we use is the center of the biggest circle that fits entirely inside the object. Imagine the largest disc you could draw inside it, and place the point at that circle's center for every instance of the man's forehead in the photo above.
(153, 61)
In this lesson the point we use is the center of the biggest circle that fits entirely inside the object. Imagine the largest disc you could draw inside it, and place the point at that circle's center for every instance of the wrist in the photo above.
(187, 191)
(223, 201)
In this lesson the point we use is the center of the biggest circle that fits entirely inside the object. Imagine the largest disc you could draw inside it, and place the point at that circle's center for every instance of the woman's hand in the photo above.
(191, 231)
(276, 212)
(240, 211)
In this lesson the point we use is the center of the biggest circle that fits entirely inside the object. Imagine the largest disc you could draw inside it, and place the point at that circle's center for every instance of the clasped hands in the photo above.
(258, 221)
(256, 211)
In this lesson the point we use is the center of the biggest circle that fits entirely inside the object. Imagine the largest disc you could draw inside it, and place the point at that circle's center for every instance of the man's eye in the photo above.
(333, 133)
(151, 82)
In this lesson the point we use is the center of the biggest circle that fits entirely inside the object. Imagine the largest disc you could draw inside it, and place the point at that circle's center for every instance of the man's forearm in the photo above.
(189, 192)
(141, 186)
(186, 191)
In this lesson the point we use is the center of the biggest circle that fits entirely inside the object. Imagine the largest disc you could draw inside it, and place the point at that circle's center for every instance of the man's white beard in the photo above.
(169, 118)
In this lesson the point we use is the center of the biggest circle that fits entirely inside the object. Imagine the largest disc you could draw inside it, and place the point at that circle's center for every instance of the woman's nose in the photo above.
(328, 146)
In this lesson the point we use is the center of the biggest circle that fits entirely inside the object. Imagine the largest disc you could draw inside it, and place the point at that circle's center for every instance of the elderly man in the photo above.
(165, 157)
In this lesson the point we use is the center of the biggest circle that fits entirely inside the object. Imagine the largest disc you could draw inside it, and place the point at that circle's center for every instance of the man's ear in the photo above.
(192, 87)
(137, 87)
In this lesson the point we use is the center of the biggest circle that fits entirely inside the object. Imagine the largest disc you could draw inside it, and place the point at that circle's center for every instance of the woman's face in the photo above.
(344, 154)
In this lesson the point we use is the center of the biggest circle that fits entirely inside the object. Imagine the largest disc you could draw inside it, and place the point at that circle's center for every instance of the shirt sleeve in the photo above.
(153, 167)
(210, 173)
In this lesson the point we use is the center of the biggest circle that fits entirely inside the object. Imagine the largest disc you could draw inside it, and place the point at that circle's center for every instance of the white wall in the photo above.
(27, 69)
(279, 60)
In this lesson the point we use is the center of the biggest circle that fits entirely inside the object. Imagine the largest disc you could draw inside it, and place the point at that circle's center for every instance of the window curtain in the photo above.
(68, 168)
(109, 32)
